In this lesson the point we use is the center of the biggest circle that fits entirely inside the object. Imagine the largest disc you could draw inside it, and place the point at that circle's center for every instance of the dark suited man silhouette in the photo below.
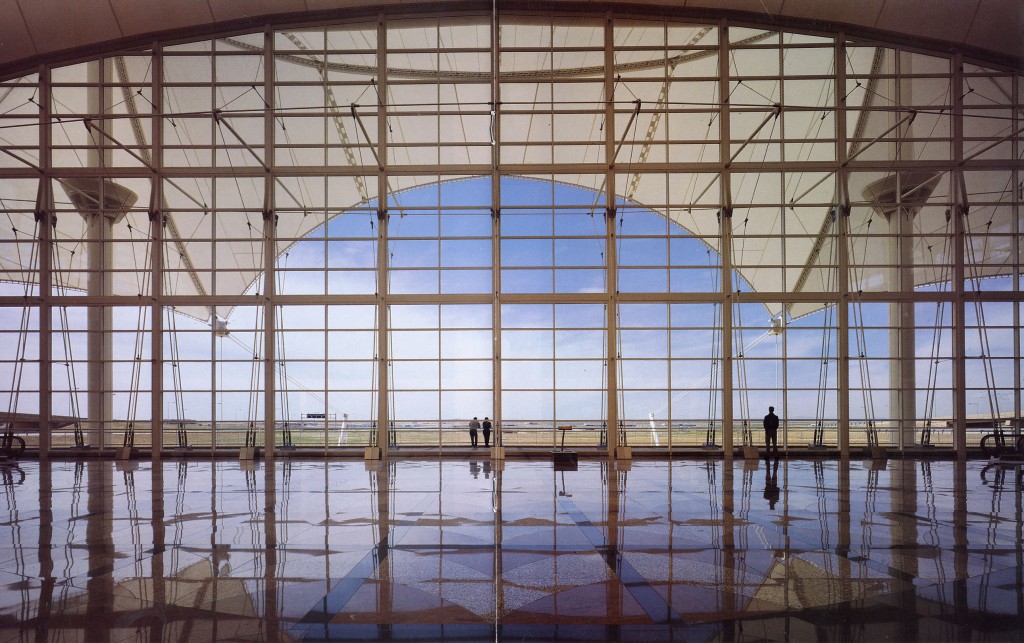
(771, 431)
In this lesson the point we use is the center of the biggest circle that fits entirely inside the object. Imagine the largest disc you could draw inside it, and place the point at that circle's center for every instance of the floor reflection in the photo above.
(657, 550)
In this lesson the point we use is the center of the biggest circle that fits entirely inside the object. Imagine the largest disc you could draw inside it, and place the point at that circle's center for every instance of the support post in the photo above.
(270, 254)
(1018, 251)
(959, 239)
(902, 374)
(100, 230)
(380, 448)
(959, 337)
(269, 331)
(902, 377)
(498, 450)
(725, 223)
(45, 219)
(843, 281)
(727, 349)
(843, 327)
(44, 216)
(616, 446)
(156, 227)
(156, 236)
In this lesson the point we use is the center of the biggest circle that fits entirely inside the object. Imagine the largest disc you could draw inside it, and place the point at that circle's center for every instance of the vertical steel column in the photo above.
(156, 236)
(725, 223)
(45, 219)
(902, 373)
(215, 361)
(215, 335)
(156, 228)
(269, 325)
(843, 326)
(843, 239)
(496, 408)
(784, 367)
(383, 349)
(383, 410)
(611, 262)
(1016, 249)
(959, 238)
(269, 253)
(100, 230)
(903, 378)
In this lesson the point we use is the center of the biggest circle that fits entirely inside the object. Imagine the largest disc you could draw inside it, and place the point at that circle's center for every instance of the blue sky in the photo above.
(554, 353)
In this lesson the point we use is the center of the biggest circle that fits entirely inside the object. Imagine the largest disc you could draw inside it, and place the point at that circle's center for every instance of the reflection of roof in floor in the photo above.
(797, 583)
(197, 603)
(661, 556)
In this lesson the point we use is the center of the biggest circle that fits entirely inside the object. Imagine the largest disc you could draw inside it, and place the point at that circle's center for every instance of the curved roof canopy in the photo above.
(29, 33)
(890, 131)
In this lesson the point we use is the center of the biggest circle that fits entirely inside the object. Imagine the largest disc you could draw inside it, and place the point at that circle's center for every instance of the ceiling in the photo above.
(426, 138)
(992, 30)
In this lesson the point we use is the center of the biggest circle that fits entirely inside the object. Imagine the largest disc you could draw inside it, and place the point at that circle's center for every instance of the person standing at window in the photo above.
(771, 431)
(487, 431)
(474, 425)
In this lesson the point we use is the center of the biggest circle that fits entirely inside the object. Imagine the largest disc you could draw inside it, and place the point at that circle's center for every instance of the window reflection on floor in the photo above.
(308, 550)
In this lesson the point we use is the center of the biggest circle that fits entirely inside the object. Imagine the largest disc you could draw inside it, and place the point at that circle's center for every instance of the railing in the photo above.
(535, 434)
(334, 434)
(799, 433)
(513, 434)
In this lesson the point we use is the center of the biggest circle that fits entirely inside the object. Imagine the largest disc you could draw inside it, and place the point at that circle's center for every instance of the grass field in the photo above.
(232, 435)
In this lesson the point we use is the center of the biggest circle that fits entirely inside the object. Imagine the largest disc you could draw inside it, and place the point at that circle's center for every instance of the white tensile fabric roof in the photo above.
(29, 33)
(764, 198)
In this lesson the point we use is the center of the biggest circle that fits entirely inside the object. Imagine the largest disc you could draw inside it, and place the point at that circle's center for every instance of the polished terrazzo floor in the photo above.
(464, 550)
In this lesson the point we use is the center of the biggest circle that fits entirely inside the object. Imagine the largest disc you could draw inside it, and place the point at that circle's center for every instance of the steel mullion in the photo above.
(784, 260)
(843, 239)
(156, 233)
(44, 212)
(496, 211)
(611, 251)
(725, 246)
(383, 321)
(960, 237)
(270, 364)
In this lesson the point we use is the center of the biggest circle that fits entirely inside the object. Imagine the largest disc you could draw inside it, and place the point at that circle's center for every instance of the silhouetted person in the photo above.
(474, 469)
(474, 424)
(771, 483)
(771, 431)
(487, 432)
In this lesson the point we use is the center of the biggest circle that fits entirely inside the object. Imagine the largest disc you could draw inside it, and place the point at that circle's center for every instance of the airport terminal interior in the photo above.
(472, 320)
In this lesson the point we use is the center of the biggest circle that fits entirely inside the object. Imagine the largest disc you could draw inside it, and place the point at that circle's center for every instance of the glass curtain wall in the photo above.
(650, 230)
